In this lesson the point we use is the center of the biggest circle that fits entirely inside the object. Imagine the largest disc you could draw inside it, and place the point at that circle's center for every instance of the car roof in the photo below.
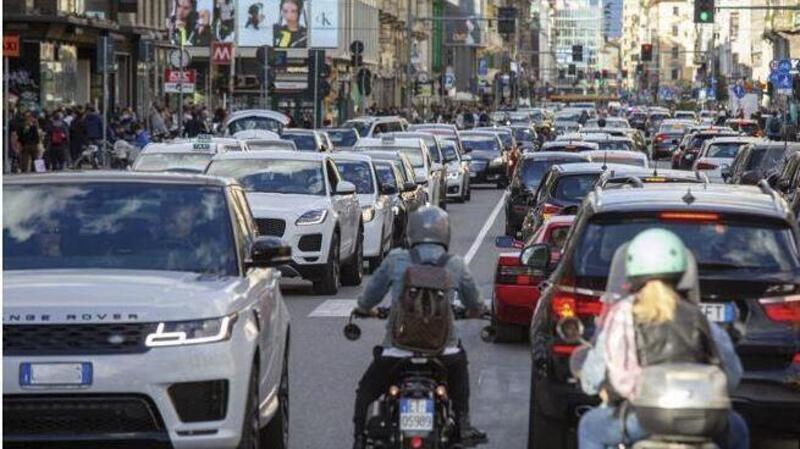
(547, 155)
(574, 143)
(187, 146)
(274, 115)
(733, 139)
(722, 198)
(350, 156)
(585, 168)
(277, 154)
(397, 143)
(300, 131)
(616, 154)
(346, 130)
(479, 134)
(762, 144)
(118, 177)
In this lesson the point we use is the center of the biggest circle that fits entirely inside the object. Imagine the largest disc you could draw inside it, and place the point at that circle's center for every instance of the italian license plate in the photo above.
(473, 174)
(416, 415)
(718, 312)
(55, 374)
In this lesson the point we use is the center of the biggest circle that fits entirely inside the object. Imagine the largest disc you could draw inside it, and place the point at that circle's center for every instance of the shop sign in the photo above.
(11, 46)
(177, 80)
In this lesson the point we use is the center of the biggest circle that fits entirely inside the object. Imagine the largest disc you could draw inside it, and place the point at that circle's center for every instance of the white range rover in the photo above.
(301, 197)
(139, 310)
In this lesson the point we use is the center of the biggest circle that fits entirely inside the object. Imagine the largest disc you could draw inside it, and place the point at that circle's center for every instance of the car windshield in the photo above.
(268, 146)
(524, 135)
(360, 126)
(725, 245)
(129, 226)
(385, 175)
(414, 154)
(506, 139)
(574, 187)
(157, 162)
(612, 145)
(672, 128)
(726, 150)
(303, 142)
(532, 171)
(273, 175)
(342, 137)
(359, 173)
(473, 143)
(765, 158)
(248, 123)
(449, 150)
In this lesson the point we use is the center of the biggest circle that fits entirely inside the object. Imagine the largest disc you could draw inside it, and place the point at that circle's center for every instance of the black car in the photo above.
(745, 240)
(666, 140)
(525, 180)
(689, 148)
(488, 163)
(561, 191)
(526, 137)
(758, 161)
(788, 180)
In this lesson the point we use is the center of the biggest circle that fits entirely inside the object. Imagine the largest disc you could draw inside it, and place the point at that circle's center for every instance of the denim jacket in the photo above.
(389, 277)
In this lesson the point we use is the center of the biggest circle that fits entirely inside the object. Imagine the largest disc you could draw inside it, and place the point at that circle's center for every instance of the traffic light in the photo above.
(647, 52)
(577, 53)
(703, 11)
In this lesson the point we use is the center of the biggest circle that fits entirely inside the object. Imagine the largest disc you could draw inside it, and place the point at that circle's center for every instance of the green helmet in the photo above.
(655, 253)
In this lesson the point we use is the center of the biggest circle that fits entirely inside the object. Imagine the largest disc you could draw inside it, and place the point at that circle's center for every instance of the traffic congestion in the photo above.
(620, 281)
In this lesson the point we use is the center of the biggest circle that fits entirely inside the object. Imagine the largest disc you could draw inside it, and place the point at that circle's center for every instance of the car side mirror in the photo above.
(409, 187)
(536, 256)
(345, 188)
(388, 189)
(784, 185)
(267, 251)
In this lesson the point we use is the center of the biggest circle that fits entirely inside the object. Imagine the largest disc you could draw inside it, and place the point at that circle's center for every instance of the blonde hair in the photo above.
(655, 303)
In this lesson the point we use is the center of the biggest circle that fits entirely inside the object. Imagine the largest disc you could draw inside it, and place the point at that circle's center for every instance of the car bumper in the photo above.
(147, 376)
(663, 151)
(562, 401)
(487, 174)
(771, 408)
(456, 186)
(514, 304)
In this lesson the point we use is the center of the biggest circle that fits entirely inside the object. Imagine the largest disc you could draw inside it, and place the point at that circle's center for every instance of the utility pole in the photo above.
(182, 36)
(105, 67)
(7, 117)
(409, 53)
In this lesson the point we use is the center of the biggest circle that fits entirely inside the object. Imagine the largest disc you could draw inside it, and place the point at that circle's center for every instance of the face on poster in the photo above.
(280, 23)
(195, 17)
(224, 15)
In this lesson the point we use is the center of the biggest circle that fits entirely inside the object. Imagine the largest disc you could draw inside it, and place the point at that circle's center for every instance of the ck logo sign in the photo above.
(221, 53)
(11, 46)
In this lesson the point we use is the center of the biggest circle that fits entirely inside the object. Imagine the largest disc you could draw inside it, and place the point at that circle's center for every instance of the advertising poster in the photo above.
(224, 15)
(195, 18)
(468, 32)
(325, 24)
(280, 23)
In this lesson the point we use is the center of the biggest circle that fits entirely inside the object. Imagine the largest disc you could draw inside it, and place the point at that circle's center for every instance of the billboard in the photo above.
(177, 80)
(468, 32)
(288, 23)
(224, 16)
(194, 17)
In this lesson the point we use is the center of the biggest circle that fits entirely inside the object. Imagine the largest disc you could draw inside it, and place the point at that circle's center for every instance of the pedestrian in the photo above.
(94, 126)
(158, 127)
(57, 142)
(77, 135)
(29, 140)
(140, 137)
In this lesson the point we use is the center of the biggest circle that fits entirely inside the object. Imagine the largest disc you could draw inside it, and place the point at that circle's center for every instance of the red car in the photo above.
(516, 288)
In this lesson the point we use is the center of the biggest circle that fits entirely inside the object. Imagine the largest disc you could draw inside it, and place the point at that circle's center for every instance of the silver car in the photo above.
(141, 307)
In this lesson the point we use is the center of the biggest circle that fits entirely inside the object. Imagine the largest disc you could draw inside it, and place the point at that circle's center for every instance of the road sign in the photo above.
(738, 91)
(11, 46)
(221, 53)
(782, 82)
(784, 65)
(105, 54)
(483, 67)
(175, 58)
(357, 47)
(173, 83)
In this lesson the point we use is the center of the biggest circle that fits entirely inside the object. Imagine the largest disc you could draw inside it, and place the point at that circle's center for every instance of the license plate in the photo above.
(473, 174)
(719, 313)
(416, 415)
(54, 374)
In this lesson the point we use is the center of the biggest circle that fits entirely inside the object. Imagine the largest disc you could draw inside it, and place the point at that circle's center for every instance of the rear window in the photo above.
(303, 142)
(343, 138)
(574, 187)
(726, 150)
(362, 128)
(610, 145)
(672, 128)
(765, 158)
(718, 246)
(386, 175)
(480, 144)
(359, 173)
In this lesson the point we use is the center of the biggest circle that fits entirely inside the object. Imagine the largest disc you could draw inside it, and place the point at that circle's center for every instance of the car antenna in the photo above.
(605, 162)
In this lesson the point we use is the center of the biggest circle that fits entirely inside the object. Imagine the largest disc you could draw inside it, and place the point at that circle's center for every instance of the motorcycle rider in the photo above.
(429, 239)
(658, 326)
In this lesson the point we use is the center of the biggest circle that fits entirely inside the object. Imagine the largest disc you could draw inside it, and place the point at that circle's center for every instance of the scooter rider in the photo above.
(429, 239)
(652, 326)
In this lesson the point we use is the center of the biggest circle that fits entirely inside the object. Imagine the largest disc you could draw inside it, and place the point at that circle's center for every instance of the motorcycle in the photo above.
(416, 412)
(119, 156)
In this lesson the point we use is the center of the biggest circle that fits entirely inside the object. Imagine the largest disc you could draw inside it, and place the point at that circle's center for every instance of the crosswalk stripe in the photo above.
(334, 308)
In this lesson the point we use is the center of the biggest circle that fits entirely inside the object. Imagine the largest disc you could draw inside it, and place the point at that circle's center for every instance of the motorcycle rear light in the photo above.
(783, 310)
(416, 442)
(564, 350)
(705, 166)
(394, 391)
(796, 360)
(567, 305)
(689, 216)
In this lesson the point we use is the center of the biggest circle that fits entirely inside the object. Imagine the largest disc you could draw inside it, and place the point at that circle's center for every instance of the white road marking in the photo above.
(334, 308)
(484, 230)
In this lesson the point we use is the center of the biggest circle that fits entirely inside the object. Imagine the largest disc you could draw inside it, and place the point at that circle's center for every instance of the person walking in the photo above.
(77, 135)
(94, 126)
(57, 143)
(29, 140)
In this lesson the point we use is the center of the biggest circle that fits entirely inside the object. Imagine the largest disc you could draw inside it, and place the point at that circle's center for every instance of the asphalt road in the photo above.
(325, 367)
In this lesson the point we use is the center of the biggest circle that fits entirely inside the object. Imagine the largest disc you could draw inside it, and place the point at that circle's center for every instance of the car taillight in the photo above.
(689, 216)
(782, 309)
(568, 305)
(796, 359)
(705, 166)
(548, 210)
(510, 272)
(661, 137)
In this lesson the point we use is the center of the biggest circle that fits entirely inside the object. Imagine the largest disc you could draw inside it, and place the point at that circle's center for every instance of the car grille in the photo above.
(66, 339)
(271, 226)
(80, 416)
(311, 242)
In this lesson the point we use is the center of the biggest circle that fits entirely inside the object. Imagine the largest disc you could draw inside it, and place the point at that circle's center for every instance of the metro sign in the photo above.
(221, 53)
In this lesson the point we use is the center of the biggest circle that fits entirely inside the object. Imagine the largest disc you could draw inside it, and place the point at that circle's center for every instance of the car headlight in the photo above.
(453, 174)
(367, 214)
(179, 333)
(497, 162)
(312, 217)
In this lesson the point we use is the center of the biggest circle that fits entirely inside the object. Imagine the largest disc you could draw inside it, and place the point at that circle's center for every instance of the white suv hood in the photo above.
(108, 296)
(269, 204)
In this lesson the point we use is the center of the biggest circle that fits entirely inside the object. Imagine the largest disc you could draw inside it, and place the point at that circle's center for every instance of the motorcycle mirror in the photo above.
(488, 334)
(352, 332)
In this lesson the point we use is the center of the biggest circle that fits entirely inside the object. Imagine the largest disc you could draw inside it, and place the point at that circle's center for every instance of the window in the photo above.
(675, 30)
(676, 11)
(676, 74)
(734, 26)
(675, 52)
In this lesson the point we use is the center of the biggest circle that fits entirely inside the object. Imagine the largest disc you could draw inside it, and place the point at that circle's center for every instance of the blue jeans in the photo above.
(600, 429)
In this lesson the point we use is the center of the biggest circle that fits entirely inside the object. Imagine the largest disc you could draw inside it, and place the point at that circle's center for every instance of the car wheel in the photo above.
(276, 433)
(469, 192)
(353, 270)
(251, 430)
(329, 284)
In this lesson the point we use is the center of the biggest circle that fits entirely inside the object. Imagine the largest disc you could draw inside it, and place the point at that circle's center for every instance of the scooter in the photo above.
(416, 412)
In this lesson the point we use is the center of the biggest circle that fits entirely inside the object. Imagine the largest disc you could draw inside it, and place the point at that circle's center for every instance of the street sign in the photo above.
(221, 53)
(176, 81)
(175, 58)
(784, 65)
(105, 54)
(357, 47)
(782, 82)
(483, 67)
(11, 46)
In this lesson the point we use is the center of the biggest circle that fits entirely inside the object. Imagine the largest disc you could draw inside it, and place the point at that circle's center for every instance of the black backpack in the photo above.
(423, 313)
